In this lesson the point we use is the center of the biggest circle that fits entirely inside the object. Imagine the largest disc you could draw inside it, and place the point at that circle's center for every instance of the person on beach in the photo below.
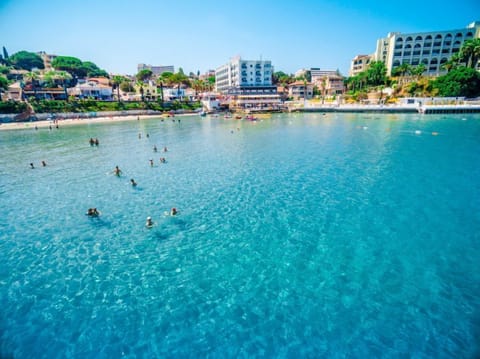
(117, 171)
(149, 222)
(132, 181)
(31, 165)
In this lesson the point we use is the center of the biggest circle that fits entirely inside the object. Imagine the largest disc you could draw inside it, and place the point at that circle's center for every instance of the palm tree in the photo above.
(117, 80)
(470, 52)
(32, 77)
(453, 63)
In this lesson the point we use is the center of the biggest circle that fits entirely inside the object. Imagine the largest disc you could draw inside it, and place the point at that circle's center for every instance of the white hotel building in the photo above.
(433, 49)
(244, 76)
(249, 83)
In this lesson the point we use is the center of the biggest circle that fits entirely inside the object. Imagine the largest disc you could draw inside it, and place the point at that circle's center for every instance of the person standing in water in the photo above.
(132, 181)
(117, 171)
(149, 222)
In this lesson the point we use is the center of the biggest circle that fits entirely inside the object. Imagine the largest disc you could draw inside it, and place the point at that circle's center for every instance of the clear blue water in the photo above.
(304, 235)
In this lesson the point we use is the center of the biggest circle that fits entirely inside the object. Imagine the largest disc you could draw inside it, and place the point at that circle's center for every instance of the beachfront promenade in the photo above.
(392, 108)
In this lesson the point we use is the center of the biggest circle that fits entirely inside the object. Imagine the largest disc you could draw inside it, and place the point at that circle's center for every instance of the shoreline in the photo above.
(22, 125)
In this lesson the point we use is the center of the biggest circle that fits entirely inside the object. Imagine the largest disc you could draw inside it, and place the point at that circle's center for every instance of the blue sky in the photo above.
(204, 34)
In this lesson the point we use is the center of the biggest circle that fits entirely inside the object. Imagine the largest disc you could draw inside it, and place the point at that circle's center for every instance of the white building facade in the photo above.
(432, 49)
(243, 75)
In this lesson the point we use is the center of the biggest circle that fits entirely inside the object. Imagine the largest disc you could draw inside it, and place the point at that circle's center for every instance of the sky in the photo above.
(200, 35)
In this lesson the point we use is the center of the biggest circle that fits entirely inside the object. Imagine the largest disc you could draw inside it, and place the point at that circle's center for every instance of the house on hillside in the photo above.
(91, 89)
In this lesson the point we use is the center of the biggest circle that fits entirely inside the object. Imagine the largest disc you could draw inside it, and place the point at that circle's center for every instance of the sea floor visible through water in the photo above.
(300, 235)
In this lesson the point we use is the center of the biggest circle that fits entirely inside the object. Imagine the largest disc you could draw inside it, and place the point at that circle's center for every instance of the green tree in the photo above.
(26, 60)
(3, 83)
(93, 70)
(452, 63)
(376, 73)
(144, 75)
(462, 81)
(5, 54)
(117, 81)
(470, 52)
(32, 78)
(126, 86)
(402, 70)
(418, 70)
(70, 64)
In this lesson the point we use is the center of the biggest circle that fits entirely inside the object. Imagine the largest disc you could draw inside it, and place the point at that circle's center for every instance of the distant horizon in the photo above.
(194, 37)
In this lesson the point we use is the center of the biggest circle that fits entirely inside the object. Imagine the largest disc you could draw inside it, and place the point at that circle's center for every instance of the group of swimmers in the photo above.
(149, 223)
(44, 164)
(94, 141)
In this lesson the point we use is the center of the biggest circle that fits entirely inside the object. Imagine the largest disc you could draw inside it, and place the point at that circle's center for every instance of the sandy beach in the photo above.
(79, 121)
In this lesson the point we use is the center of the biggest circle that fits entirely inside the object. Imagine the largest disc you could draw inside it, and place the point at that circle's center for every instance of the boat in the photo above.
(250, 118)
(202, 113)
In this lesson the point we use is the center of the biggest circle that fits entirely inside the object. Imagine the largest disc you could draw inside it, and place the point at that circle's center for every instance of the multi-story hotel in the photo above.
(432, 49)
(249, 84)
(156, 70)
(244, 76)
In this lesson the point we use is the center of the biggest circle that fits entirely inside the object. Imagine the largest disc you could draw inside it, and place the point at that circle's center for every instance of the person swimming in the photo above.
(44, 163)
(31, 165)
(149, 222)
(165, 149)
(173, 212)
(151, 163)
(117, 171)
(93, 212)
(154, 148)
(132, 181)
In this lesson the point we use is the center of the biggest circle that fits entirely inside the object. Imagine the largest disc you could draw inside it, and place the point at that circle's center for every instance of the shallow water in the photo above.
(302, 235)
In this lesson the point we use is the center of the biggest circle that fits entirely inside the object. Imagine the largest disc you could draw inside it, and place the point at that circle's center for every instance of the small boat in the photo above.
(250, 118)
(227, 115)
(238, 117)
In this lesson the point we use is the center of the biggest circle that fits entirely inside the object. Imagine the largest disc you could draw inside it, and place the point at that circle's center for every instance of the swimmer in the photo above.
(117, 171)
(31, 165)
(92, 141)
(165, 149)
(148, 136)
(163, 160)
(139, 135)
(154, 148)
(44, 163)
(132, 181)
(151, 163)
(149, 222)
(93, 212)
(96, 142)
(173, 212)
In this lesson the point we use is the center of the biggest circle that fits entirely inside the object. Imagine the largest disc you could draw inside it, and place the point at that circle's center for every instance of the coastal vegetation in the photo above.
(146, 91)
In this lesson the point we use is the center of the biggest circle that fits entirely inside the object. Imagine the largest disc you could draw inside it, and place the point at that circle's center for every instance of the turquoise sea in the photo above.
(302, 235)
